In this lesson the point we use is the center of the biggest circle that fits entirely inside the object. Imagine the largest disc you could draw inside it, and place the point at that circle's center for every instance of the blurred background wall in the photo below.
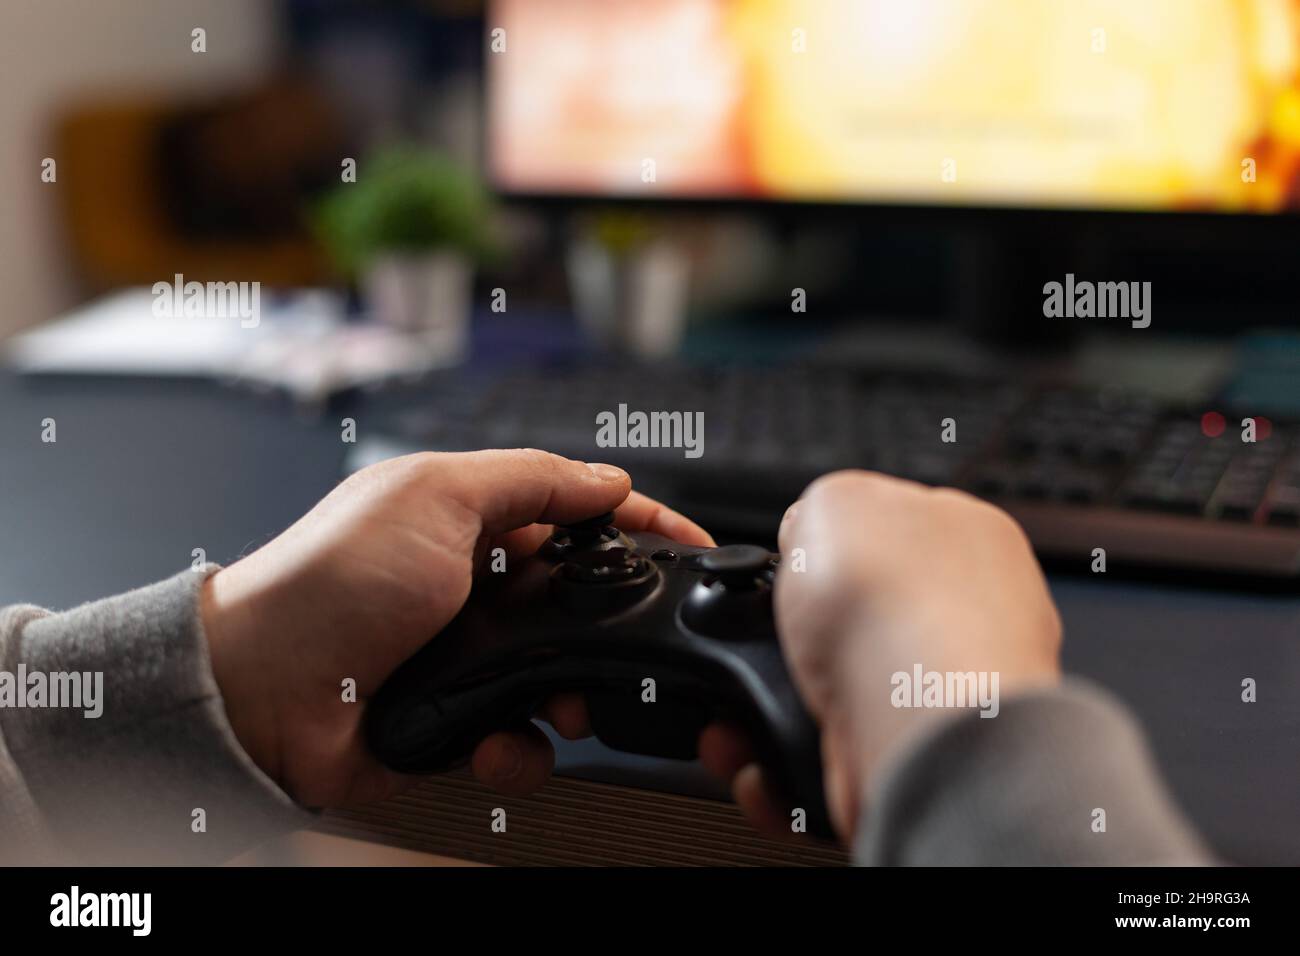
(123, 45)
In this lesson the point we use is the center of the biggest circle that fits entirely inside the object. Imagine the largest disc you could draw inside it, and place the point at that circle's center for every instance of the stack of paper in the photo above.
(300, 343)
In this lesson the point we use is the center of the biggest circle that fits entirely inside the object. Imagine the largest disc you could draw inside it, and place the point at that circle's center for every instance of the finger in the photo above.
(637, 513)
(514, 762)
(515, 488)
(824, 496)
(519, 543)
(756, 801)
(786, 534)
(567, 713)
(640, 513)
(724, 751)
(374, 782)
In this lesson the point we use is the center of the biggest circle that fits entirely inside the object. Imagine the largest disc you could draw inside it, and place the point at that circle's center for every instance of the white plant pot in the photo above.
(633, 303)
(426, 295)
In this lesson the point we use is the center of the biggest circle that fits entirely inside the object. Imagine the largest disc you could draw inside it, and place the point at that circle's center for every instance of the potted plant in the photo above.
(409, 231)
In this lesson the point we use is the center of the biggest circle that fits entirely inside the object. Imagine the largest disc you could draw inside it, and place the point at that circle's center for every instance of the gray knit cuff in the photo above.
(158, 776)
(1060, 776)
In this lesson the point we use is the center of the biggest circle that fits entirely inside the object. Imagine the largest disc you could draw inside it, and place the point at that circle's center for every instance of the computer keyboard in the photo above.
(1152, 485)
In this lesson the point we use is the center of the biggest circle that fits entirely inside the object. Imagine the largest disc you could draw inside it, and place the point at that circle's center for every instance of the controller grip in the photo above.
(414, 726)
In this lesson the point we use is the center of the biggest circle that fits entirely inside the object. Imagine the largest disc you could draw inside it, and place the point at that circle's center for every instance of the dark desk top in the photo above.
(143, 472)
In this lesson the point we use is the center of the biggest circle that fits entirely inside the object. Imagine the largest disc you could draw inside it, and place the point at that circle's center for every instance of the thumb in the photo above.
(510, 489)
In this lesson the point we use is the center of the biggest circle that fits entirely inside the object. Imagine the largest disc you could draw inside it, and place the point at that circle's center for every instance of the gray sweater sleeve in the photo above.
(1058, 777)
(157, 775)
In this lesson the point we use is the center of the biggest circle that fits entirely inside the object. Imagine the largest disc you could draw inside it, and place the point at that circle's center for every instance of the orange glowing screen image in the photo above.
(1121, 104)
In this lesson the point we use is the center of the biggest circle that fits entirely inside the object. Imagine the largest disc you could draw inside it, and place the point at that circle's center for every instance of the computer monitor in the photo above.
(1165, 131)
(1170, 105)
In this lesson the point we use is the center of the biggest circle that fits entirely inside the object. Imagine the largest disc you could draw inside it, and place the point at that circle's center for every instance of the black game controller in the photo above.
(603, 613)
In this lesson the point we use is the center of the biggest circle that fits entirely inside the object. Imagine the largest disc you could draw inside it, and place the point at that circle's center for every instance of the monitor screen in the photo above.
(1136, 105)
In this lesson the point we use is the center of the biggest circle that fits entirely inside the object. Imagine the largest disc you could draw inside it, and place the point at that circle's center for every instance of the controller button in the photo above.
(664, 554)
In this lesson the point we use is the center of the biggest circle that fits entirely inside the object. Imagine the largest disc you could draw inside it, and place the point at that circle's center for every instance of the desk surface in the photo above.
(143, 472)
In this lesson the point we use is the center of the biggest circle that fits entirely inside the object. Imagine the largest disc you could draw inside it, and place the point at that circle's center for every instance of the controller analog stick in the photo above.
(591, 526)
(604, 567)
(738, 566)
(734, 601)
(600, 582)
(590, 534)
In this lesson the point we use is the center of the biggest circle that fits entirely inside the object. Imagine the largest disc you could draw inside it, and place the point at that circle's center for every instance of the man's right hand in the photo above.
(879, 575)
